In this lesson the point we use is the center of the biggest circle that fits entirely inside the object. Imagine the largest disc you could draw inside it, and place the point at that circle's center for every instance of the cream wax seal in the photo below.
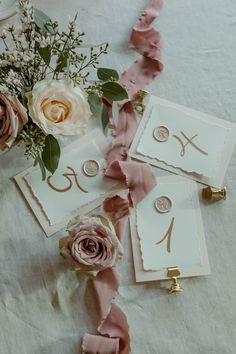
(91, 168)
(163, 204)
(161, 133)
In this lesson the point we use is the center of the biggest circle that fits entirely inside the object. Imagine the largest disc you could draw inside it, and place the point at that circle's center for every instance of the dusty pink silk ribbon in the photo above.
(113, 327)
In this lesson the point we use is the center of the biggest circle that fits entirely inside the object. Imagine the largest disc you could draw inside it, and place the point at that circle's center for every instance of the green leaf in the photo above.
(88, 273)
(50, 29)
(51, 153)
(106, 74)
(41, 19)
(45, 54)
(104, 220)
(115, 113)
(36, 161)
(104, 118)
(62, 242)
(24, 99)
(73, 221)
(113, 91)
(95, 104)
(62, 62)
(39, 161)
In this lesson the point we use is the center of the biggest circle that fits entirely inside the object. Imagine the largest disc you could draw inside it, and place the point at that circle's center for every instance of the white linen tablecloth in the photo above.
(45, 308)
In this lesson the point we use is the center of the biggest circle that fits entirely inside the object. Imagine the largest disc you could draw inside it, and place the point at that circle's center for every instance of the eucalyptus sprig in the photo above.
(107, 87)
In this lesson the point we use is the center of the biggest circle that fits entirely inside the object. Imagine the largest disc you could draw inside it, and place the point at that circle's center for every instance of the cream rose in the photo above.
(58, 107)
(92, 245)
(13, 116)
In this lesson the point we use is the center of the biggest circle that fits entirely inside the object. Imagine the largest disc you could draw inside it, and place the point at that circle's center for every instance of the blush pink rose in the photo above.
(13, 116)
(92, 245)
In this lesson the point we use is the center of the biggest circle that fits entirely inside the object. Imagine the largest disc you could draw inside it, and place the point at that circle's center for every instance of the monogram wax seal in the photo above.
(161, 133)
(163, 204)
(91, 168)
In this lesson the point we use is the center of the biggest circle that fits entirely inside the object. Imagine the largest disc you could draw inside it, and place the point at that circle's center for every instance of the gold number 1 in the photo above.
(168, 236)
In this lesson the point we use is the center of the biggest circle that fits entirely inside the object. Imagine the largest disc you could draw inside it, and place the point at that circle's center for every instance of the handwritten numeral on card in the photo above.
(71, 177)
(189, 142)
(168, 236)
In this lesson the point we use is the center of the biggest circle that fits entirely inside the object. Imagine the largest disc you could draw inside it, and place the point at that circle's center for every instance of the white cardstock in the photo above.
(202, 158)
(199, 146)
(58, 203)
(154, 249)
(69, 191)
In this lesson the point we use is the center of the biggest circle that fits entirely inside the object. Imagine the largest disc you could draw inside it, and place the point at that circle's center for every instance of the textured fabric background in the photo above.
(44, 308)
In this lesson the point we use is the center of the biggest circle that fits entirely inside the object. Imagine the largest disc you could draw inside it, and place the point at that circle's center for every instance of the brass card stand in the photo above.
(174, 273)
(139, 101)
(211, 195)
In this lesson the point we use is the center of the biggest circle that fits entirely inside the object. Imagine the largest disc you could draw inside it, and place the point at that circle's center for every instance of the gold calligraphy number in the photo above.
(189, 141)
(168, 236)
(69, 176)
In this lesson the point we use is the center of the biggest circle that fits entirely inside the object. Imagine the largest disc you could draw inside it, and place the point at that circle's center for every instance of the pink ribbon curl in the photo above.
(139, 178)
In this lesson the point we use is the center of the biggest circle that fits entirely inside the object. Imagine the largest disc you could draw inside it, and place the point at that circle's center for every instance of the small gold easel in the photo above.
(174, 273)
(139, 101)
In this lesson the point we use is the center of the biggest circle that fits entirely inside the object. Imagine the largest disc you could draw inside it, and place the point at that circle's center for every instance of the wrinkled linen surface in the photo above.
(45, 308)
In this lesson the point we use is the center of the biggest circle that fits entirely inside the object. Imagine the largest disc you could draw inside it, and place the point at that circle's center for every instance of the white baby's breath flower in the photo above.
(72, 26)
(4, 89)
(3, 34)
(45, 41)
(9, 28)
(3, 63)
(18, 33)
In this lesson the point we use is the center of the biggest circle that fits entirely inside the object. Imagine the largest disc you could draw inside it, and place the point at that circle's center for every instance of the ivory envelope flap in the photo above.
(69, 191)
(174, 238)
(196, 145)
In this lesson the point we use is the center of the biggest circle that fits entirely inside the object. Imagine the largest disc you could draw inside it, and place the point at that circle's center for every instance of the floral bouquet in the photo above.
(45, 89)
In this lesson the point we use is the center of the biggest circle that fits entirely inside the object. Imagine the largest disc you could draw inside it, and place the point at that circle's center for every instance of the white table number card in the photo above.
(167, 231)
(184, 141)
(70, 190)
